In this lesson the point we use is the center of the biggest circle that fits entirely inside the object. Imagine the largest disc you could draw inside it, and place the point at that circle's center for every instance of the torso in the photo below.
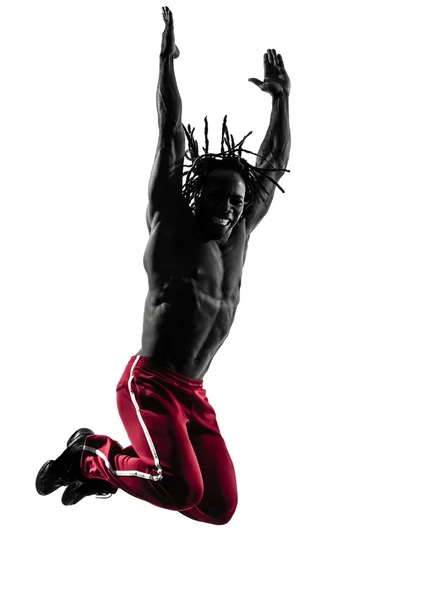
(194, 290)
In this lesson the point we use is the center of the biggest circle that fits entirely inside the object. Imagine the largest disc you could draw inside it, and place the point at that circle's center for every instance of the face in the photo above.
(220, 204)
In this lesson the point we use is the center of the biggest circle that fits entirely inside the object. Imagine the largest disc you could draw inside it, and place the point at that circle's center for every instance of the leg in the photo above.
(220, 497)
(160, 466)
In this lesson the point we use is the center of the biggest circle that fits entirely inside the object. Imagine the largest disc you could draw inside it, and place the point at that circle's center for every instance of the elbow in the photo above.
(280, 161)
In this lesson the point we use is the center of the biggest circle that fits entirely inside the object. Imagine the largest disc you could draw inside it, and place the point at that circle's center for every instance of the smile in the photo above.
(221, 221)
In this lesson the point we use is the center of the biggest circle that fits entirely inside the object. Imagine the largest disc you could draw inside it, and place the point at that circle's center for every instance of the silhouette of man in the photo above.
(199, 234)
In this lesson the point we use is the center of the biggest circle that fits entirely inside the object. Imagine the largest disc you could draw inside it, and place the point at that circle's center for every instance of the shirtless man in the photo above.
(199, 233)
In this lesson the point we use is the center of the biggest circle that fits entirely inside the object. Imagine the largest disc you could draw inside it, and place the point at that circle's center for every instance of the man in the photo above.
(199, 233)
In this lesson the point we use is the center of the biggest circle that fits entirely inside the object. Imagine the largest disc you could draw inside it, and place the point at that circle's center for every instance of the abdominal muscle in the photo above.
(183, 328)
(194, 291)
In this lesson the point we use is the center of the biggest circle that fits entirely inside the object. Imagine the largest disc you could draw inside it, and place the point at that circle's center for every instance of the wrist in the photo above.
(280, 98)
(283, 93)
(164, 57)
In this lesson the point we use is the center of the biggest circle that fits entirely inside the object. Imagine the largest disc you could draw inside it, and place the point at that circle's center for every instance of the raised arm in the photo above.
(165, 184)
(276, 145)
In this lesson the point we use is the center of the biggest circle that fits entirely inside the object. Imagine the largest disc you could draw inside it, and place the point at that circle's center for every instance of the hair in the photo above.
(229, 159)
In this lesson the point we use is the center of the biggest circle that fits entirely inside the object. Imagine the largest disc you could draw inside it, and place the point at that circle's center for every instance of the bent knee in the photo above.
(184, 494)
(222, 513)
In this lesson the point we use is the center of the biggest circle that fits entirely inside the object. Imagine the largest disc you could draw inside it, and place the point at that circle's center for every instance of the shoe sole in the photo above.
(73, 493)
(40, 481)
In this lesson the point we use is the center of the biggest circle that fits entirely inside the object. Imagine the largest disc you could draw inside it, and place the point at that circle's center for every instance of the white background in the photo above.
(331, 390)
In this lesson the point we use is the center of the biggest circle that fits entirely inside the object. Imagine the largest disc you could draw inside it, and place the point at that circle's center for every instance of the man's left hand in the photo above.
(276, 80)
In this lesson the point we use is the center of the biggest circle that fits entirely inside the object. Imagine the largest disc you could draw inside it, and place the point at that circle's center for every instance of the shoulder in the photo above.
(172, 213)
(240, 233)
(238, 241)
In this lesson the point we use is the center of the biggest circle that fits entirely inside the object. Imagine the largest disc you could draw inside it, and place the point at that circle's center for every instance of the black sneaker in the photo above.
(75, 492)
(66, 469)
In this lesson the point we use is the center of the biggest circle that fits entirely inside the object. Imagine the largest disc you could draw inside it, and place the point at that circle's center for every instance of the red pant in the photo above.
(178, 459)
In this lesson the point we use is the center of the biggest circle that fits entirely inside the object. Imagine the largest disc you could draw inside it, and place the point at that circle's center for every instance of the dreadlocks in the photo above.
(229, 158)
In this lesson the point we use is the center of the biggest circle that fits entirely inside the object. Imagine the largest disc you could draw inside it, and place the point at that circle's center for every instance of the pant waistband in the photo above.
(150, 365)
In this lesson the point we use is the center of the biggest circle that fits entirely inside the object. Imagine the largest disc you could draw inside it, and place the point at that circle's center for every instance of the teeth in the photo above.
(221, 221)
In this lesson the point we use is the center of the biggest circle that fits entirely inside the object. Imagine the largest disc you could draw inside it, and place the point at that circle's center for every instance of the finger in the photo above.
(256, 81)
(266, 60)
(167, 15)
(280, 61)
(270, 57)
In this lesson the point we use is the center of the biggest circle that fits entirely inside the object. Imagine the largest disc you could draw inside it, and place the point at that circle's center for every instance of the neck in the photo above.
(204, 238)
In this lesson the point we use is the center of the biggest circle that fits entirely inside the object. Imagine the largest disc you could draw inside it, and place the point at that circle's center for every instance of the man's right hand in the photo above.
(169, 48)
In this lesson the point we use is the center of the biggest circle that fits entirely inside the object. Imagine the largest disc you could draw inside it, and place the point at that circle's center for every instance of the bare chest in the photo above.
(179, 266)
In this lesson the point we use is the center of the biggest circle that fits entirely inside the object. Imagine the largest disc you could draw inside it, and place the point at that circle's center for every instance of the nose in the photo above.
(226, 204)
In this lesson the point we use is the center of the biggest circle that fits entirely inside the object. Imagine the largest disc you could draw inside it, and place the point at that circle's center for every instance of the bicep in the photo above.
(266, 186)
(262, 202)
(165, 183)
